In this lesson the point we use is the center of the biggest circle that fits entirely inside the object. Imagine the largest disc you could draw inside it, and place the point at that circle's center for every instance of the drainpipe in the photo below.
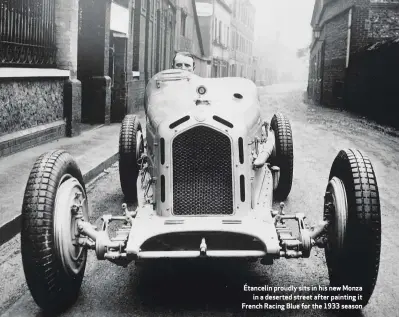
(348, 47)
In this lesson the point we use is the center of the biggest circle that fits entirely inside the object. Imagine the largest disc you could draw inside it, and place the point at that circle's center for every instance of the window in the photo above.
(228, 37)
(25, 39)
(216, 29)
(220, 31)
(183, 23)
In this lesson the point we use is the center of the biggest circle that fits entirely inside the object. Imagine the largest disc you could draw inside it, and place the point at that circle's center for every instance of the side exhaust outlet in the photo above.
(276, 176)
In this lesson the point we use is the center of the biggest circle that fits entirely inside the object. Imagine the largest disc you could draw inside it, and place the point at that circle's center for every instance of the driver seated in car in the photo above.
(184, 61)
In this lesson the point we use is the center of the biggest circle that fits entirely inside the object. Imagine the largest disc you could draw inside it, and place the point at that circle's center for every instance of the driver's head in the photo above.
(184, 60)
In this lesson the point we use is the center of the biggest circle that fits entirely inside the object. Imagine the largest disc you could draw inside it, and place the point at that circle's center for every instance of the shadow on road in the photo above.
(210, 285)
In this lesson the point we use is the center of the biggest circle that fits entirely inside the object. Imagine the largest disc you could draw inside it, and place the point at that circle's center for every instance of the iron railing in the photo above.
(27, 33)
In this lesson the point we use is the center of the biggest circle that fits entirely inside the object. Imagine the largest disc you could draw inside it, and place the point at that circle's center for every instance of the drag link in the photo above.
(104, 247)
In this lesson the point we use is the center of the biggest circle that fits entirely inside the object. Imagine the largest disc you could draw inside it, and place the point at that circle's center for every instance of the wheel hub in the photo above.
(336, 213)
(70, 206)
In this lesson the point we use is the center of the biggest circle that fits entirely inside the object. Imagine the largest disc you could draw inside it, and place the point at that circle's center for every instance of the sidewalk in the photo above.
(94, 150)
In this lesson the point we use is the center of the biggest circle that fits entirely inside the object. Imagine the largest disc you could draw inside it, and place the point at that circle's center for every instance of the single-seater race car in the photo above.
(204, 180)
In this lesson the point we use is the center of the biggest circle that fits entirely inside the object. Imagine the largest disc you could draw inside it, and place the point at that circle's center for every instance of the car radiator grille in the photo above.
(202, 173)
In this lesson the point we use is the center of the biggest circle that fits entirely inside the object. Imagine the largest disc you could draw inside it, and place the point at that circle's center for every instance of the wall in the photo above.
(206, 33)
(25, 103)
(383, 21)
(371, 86)
(332, 21)
(336, 36)
(372, 21)
(40, 105)
(139, 42)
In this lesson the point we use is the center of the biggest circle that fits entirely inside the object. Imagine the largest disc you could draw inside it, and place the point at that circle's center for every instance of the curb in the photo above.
(10, 229)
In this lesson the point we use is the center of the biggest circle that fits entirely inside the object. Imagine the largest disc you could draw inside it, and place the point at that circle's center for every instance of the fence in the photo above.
(27, 33)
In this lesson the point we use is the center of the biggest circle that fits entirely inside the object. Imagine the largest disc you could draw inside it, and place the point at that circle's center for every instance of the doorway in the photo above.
(117, 72)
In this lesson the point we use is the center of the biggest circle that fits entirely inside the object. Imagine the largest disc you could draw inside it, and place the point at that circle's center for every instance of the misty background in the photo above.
(281, 29)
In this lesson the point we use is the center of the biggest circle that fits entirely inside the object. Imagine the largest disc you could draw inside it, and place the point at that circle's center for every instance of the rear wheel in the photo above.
(352, 207)
(53, 261)
(283, 156)
(131, 146)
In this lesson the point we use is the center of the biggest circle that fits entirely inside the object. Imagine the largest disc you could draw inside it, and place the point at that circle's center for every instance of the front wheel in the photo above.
(283, 156)
(131, 147)
(352, 208)
(52, 258)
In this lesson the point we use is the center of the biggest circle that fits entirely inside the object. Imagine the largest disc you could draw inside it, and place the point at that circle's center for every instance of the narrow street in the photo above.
(216, 289)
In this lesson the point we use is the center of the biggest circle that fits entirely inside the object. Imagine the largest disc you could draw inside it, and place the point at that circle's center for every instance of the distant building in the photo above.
(263, 74)
(242, 39)
(340, 29)
(215, 22)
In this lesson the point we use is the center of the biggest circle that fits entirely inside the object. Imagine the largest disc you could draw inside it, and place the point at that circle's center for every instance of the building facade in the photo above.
(242, 39)
(89, 63)
(40, 95)
(215, 23)
(188, 35)
(221, 25)
(340, 29)
(153, 44)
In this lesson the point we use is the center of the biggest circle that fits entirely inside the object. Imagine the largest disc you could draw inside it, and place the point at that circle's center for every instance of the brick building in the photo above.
(340, 29)
(188, 35)
(242, 39)
(40, 94)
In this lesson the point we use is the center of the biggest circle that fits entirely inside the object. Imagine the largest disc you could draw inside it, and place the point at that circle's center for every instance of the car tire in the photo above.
(131, 146)
(354, 231)
(283, 156)
(53, 281)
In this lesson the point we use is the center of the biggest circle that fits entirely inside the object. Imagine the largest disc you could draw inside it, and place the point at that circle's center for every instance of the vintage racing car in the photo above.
(204, 180)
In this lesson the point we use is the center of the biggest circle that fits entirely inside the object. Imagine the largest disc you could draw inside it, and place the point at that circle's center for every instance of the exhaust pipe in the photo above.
(276, 176)
(265, 151)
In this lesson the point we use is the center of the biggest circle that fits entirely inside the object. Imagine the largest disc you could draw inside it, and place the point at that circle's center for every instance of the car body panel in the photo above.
(230, 107)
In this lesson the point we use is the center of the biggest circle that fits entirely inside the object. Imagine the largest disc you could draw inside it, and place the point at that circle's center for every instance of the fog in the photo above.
(281, 29)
